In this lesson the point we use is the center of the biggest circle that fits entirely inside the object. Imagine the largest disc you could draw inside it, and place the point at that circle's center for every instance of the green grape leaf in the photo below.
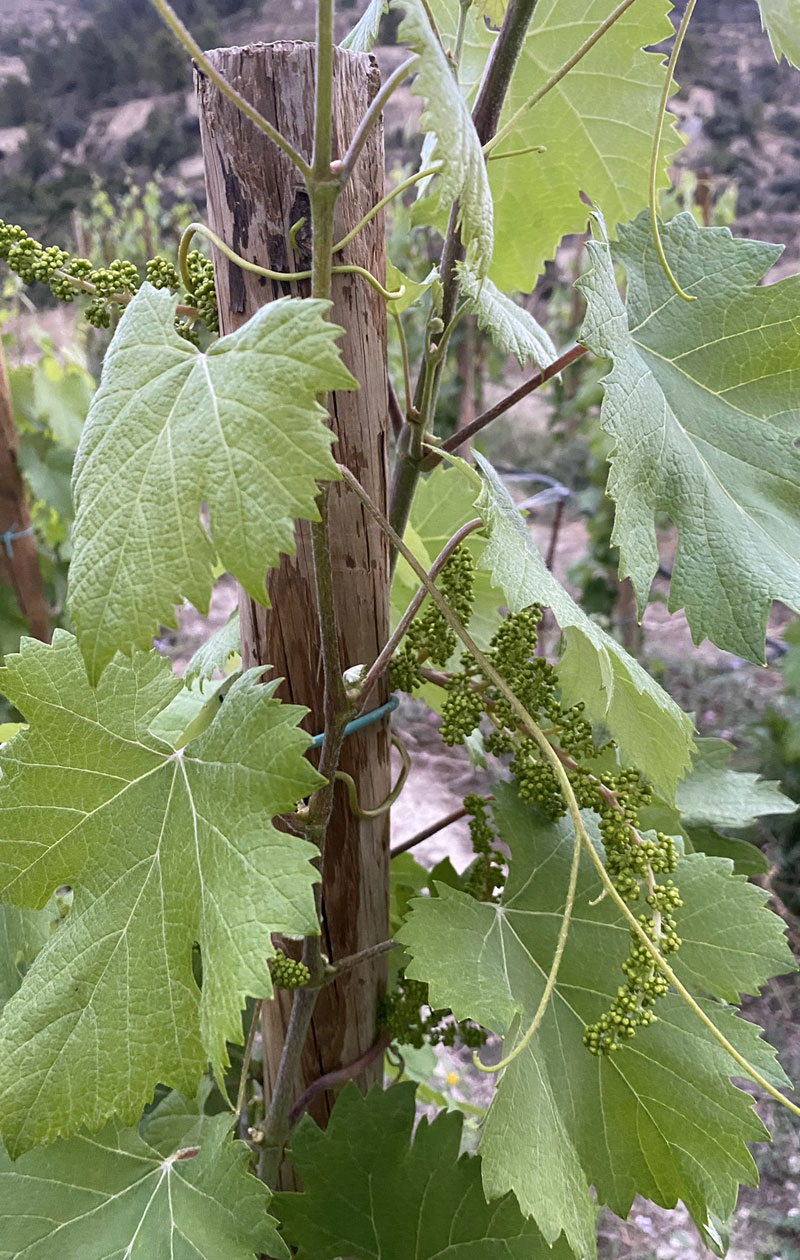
(455, 142)
(596, 125)
(781, 20)
(747, 858)
(163, 849)
(374, 1192)
(115, 1195)
(170, 428)
(365, 31)
(216, 652)
(511, 327)
(715, 796)
(556, 1105)
(702, 404)
(650, 729)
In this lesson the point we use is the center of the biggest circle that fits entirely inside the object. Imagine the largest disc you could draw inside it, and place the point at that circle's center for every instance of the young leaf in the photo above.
(455, 143)
(163, 850)
(116, 1195)
(511, 327)
(650, 729)
(617, 1115)
(372, 1192)
(170, 428)
(596, 125)
(781, 20)
(715, 796)
(215, 653)
(702, 404)
(365, 31)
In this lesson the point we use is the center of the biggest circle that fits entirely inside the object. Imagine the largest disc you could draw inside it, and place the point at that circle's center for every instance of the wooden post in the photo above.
(19, 561)
(255, 196)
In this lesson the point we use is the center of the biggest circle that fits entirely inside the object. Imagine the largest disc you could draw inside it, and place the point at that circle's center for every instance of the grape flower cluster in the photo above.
(486, 875)
(429, 636)
(402, 1016)
(109, 286)
(633, 860)
(288, 973)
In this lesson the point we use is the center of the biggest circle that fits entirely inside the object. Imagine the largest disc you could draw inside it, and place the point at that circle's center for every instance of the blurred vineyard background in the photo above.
(100, 153)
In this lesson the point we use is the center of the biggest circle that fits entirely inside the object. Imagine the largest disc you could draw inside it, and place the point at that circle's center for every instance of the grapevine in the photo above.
(429, 637)
(109, 287)
(632, 860)
(288, 973)
(188, 852)
(404, 1015)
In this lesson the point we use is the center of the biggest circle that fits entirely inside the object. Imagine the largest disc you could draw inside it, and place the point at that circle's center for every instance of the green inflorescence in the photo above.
(430, 638)
(203, 292)
(486, 875)
(400, 1015)
(633, 860)
(288, 973)
(111, 286)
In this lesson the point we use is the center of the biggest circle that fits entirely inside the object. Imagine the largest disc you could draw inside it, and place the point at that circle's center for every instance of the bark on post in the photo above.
(255, 196)
(19, 561)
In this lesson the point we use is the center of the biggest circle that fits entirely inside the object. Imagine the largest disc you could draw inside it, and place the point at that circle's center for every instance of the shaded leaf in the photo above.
(365, 31)
(713, 795)
(781, 20)
(596, 125)
(371, 1192)
(216, 652)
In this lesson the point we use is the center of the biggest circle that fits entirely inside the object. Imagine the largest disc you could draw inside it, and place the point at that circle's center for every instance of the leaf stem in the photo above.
(556, 78)
(499, 408)
(246, 1057)
(550, 983)
(173, 22)
(372, 116)
(662, 109)
(339, 1076)
(568, 793)
(363, 955)
(401, 337)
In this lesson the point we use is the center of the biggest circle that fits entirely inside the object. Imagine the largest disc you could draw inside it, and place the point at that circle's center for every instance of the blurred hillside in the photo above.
(99, 88)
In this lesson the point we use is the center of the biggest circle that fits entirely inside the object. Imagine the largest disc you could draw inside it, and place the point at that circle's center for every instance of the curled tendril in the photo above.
(281, 276)
(662, 109)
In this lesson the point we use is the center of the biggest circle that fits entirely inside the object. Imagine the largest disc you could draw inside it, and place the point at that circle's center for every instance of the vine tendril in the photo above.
(662, 109)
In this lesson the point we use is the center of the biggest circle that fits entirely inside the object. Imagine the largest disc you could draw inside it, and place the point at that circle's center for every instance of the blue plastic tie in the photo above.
(7, 539)
(366, 719)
